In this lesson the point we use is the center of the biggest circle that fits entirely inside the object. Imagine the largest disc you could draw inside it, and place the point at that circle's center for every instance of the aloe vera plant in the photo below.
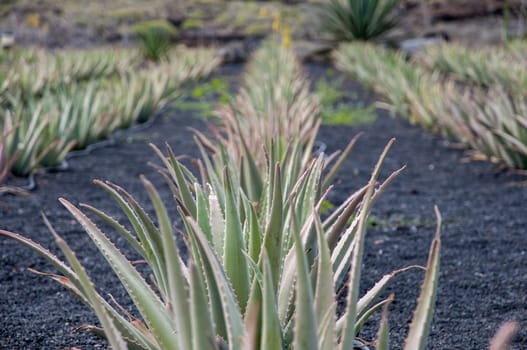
(29, 143)
(289, 217)
(493, 122)
(66, 100)
(6, 158)
(262, 271)
(138, 96)
(82, 65)
(486, 66)
(273, 105)
(490, 121)
(52, 126)
(236, 284)
(406, 87)
(82, 114)
(35, 71)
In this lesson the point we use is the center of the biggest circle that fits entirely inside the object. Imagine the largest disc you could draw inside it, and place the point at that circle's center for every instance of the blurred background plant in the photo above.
(349, 20)
(483, 107)
(69, 99)
(155, 38)
(6, 161)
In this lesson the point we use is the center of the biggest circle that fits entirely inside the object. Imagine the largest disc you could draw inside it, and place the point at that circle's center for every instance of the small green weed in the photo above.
(215, 88)
(347, 115)
(201, 98)
(336, 108)
(192, 23)
(327, 93)
(326, 207)
(203, 108)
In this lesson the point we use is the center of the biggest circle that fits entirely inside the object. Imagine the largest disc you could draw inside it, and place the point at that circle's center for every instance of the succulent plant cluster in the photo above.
(51, 103)
(257, 267)
(350, 20)
(485, 66)
(468, 95)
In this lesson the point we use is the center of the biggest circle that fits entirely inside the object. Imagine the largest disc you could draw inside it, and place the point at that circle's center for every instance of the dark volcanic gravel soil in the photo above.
(484, 238)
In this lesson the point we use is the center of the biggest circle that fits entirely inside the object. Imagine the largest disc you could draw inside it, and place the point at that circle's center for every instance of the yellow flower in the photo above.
(33, 20)
(286, 37)
(264, 11)
(276, 23)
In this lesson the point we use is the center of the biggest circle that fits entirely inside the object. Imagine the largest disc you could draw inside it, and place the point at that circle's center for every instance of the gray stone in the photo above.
(7, 39)
(415, 45)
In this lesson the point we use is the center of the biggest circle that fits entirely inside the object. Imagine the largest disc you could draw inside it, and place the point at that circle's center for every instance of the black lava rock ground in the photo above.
(483, 278)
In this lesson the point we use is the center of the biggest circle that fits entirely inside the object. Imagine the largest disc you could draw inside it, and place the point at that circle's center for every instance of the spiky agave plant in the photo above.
(349, 20)
(155, 38)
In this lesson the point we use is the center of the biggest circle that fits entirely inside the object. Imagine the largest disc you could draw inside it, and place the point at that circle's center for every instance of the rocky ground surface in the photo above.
(484, 240)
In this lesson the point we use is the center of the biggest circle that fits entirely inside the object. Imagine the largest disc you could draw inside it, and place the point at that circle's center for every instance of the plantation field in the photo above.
(303, 174)
(482, 275)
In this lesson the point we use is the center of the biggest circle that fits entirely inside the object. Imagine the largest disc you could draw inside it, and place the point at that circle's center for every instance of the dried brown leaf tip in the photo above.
(504, 336)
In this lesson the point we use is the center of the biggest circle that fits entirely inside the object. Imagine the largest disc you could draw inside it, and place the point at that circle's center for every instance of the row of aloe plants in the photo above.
(35, 71)
(53, 103)
(489, 116)
(263, 268)
(485, 66)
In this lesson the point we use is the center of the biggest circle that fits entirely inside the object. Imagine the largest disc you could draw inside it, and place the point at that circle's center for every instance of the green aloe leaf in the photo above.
(112, 334)
(325, 302)
(348, 331)
(219, 288)
(234, 259)
(419, 328)
(175, 270)
(383, 336)
(203, 330)
(175, 169)
(148, 303)
(148, 233)
(271, 328)
(306, 330)
(272, 241)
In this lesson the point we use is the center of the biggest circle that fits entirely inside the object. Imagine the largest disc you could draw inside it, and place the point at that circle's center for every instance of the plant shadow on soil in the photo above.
(484, 242)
